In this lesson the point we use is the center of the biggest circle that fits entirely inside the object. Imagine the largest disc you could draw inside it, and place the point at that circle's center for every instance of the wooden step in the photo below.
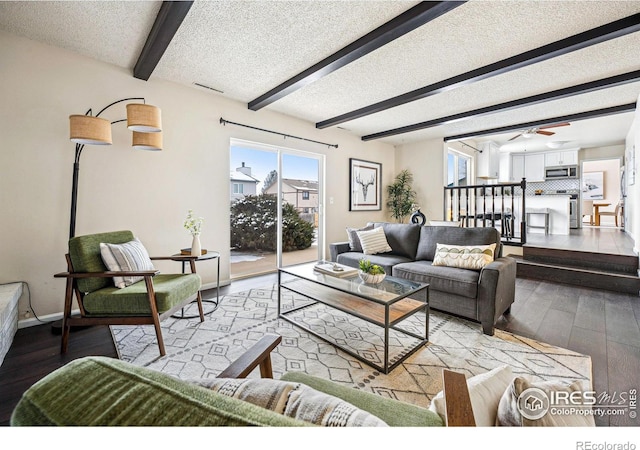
(578, 276)
(605, 262)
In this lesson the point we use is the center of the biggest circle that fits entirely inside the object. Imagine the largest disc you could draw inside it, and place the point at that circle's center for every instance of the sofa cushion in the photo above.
(473, 257)
(452, 280)
(294, 400)
(431, 236)
(374, 241)
(402, 237)
(354, 240)
(126, 257)
(395, 413)
(386, 260)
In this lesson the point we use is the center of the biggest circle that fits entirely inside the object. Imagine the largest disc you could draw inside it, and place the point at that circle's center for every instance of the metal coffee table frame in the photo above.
(375, 305)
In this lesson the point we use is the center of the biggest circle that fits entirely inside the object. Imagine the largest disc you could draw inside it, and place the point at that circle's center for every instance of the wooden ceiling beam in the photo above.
(167, 22)
(612, 30)
(584, 88)
(404, 23)
(629, 107)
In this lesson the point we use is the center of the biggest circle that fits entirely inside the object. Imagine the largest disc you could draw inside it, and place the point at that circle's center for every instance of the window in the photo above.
(238, 188)
(305, 195)
(458, 169)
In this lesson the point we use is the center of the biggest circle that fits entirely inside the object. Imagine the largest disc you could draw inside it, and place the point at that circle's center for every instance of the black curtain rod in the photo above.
(224, 122)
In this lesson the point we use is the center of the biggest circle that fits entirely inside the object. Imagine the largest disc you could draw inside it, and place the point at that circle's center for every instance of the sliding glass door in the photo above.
(267, 233)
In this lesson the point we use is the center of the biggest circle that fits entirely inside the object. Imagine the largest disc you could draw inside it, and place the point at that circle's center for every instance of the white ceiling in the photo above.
(246, 48)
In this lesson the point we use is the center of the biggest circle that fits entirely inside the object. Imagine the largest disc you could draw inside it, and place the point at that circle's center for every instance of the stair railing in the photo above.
(500, 206)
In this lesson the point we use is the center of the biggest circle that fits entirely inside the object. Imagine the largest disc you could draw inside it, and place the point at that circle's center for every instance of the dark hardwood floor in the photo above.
(602, 324)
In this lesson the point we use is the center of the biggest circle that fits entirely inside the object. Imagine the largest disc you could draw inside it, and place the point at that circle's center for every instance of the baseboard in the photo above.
(42, 320)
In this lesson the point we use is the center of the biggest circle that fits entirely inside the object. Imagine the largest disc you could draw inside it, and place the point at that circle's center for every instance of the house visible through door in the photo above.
(265, 233)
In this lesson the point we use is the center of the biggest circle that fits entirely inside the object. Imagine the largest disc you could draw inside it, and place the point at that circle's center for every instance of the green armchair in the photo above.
(99, 391)
(100, 302)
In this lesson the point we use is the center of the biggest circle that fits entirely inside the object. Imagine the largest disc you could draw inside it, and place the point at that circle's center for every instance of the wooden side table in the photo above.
(207, 256)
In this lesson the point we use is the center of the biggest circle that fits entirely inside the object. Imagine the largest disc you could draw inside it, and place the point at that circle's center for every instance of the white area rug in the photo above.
(196, 350)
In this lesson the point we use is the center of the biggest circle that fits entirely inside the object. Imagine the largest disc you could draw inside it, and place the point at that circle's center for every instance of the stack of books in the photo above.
(335, 269)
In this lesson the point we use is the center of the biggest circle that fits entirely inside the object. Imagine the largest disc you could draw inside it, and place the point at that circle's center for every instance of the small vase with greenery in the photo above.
(370, 273)
(401, 196)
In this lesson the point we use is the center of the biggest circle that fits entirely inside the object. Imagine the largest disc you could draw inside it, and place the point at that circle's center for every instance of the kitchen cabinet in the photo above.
(488, 162)
(529, 166)
(564, 158)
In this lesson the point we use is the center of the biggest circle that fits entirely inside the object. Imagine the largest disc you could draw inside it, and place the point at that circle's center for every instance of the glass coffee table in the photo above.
(386, 305)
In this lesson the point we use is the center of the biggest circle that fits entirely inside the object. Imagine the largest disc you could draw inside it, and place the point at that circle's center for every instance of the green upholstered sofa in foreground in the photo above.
(99, 391)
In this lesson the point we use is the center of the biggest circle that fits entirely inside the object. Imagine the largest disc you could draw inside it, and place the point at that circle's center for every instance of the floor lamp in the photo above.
(144, 120)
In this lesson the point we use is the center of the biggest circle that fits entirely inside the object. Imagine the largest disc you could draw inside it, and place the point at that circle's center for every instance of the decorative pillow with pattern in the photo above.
(374, 241)
(485, 392)
(464, 256)
(354, 240)
(130, 256)
(537, 402)
(294, 400)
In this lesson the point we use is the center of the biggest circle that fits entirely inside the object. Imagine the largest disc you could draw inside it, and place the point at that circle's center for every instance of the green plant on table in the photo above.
(368, 267)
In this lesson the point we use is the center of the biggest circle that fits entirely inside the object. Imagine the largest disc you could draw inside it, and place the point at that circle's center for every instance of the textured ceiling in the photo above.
(246, 48)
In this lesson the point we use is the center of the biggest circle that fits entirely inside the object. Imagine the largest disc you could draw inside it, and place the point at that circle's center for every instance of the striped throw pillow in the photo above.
(374, 241)
(130, 256)
(294, 400)
(464, 256)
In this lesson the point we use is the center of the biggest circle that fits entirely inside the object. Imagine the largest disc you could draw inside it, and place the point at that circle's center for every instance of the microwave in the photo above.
(560, 172)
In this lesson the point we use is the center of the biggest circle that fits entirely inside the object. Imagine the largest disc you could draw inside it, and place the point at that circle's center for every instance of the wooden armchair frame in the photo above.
(153, 319)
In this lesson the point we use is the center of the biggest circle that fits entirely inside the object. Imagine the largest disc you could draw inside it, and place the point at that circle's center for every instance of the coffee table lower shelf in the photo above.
(384, 315)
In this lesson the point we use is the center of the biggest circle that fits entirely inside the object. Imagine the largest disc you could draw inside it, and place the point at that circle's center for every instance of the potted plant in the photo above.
(401, 196)
(370, 273)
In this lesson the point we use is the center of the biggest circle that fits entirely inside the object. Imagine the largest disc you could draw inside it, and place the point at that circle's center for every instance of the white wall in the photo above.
(425, 160)
(633, 191)
(146, 192)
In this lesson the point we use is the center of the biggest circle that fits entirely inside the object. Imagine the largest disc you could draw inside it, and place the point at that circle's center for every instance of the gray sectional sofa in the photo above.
(480, 295)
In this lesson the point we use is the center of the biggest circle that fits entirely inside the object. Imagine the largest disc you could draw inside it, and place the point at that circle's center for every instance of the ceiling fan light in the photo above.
(555, 144)
(144, 118)
(147, 141)
(528, 134)
(89, 130)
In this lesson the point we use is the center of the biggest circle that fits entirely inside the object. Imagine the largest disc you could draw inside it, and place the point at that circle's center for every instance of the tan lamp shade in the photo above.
(147, 141)
(143, 118)
(89, 130)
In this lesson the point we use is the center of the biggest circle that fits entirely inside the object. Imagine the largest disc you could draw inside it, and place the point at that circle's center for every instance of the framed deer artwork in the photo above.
(365, 187)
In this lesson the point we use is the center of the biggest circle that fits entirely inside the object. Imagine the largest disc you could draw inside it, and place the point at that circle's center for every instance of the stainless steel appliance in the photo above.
(574, 205)
(574, 213)
(560, 172)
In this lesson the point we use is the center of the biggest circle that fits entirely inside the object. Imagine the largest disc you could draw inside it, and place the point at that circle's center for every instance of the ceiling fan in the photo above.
(539, 130)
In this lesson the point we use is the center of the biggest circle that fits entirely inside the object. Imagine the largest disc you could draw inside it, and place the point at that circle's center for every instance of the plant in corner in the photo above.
(369, 272)
(401, 196)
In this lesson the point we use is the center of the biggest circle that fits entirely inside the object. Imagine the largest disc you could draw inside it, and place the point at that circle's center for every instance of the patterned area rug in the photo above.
(202, 350)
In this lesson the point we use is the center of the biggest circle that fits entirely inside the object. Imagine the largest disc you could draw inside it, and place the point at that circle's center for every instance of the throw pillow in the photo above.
(354, 240)
(294, 400)
(130, 256)
(575, 415)
(464, 256)
(374, 241)
(485, 391)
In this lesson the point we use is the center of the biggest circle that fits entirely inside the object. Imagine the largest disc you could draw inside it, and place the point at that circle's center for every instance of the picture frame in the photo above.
(593, 186)
(365, 185)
